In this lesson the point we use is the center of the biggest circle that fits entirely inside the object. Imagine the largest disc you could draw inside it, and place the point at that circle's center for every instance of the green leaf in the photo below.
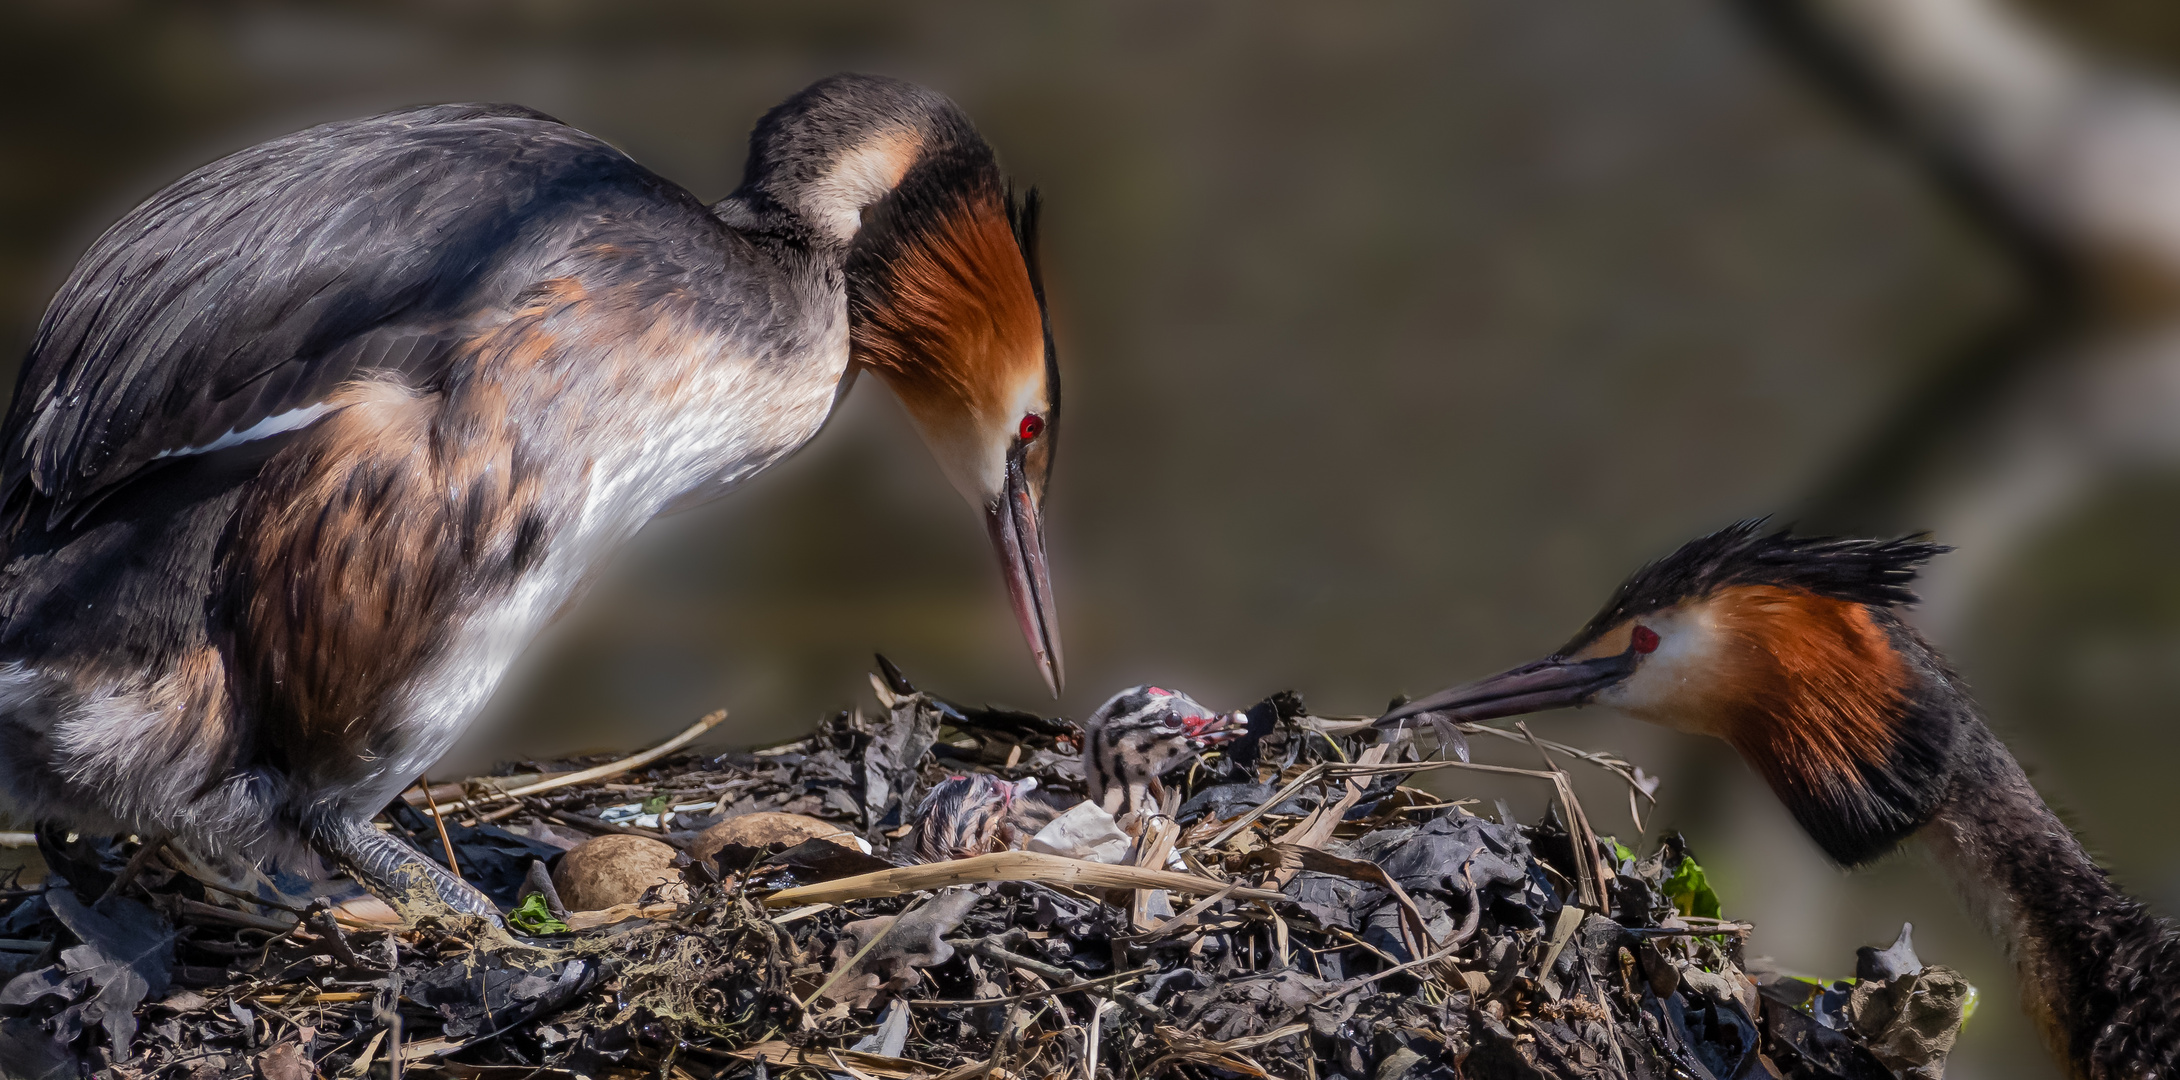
(1690, 890)
(655, 804)
(533, 918)
(1621, 852)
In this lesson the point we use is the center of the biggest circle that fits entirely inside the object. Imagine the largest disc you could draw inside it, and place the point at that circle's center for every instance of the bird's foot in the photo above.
(400, 874)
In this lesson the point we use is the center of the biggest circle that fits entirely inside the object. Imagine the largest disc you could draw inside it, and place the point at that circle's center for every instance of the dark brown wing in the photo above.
(235, 299)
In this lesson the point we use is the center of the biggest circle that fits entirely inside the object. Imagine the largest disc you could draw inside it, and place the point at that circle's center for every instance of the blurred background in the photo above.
(1393, 337)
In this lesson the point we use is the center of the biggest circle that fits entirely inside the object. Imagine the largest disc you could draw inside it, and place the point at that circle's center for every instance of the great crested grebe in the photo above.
(314, 441)
(1792, 650)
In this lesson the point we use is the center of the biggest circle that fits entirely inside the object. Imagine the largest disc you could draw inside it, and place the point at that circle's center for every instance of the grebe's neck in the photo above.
(2100, 974)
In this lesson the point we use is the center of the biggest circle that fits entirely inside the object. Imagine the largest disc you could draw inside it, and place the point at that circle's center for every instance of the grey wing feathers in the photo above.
(262, 281)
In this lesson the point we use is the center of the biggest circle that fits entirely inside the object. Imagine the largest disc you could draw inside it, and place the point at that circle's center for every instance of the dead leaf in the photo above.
(286, 1061)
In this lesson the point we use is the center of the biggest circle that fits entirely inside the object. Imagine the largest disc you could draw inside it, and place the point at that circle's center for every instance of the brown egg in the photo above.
(768, 827)
(608, 870)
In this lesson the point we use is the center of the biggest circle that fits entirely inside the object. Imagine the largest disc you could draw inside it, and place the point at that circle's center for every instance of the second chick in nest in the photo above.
(1144, 733)
(967, 815)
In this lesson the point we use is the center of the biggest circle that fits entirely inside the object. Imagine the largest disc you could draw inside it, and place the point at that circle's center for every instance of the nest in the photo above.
(1306, 913)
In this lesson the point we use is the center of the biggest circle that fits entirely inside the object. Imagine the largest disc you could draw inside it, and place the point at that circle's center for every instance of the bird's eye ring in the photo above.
(1644, 640)
(1033, 425)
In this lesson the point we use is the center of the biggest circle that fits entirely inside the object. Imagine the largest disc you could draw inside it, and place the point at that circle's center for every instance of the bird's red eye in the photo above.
(1645, 640)
(1032, 426)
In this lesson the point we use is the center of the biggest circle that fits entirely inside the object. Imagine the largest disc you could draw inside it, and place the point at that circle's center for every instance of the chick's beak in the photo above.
(1217, 728)
(1018, 534)
(1551, 683)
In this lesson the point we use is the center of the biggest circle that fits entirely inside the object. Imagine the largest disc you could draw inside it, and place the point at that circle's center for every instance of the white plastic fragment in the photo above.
(1086, 831)
(629, 814)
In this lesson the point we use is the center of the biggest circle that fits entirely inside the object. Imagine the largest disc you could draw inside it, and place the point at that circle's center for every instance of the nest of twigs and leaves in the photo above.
(1309, 911)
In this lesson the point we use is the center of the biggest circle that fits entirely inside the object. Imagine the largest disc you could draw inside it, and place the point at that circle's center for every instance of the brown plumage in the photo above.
(958, 288)
(959, 277)
(1808, 687)
(1792, 650)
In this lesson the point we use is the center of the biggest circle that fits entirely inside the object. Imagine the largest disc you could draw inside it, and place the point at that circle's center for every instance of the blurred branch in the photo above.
(2059, 155)
(2071, 166)
(1827, 50)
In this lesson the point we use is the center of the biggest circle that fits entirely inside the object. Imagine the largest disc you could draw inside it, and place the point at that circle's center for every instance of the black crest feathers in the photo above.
(1874, 572)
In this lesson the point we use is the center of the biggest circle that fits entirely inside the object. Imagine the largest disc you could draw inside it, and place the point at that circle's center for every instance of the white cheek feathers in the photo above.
(1671, 685)
(974, 455)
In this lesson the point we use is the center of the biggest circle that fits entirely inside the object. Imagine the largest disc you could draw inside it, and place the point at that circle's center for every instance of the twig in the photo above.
(234, 892)
(327, 997)
(973, 1070)
(1298, 783)
(1090, 1041)
(1294, 859)
(1588, 877)
(1007, 866)
(515, 808)
(1184, 920)
(1430, 766)
(1063, 980)
(851, 1070)
(1317, 828)
(1084, 985)
(599, 825)
(1152, 850)
(1616, 766)
(778, 1052)
(389, 1013)
(633, 761)
(1353, 985)
(232, 917)
(1691, 931)
(136, 865)
(441, 822)
(457, 793)
(1366, 946)
(582, 776)
(1588, 867)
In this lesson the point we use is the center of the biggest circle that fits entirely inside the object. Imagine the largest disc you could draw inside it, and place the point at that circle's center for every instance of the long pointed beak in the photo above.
(1551, 683)
(1018, 534)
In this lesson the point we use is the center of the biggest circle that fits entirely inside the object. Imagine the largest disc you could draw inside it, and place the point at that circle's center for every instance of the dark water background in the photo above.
(1393, 336)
